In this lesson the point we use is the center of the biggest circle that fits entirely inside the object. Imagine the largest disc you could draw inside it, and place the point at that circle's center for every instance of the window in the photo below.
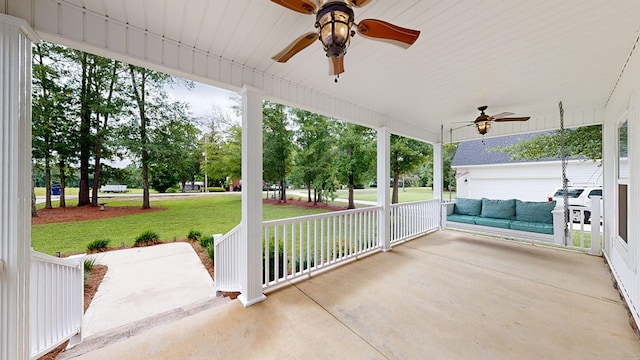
(595, 193)
(623, 180)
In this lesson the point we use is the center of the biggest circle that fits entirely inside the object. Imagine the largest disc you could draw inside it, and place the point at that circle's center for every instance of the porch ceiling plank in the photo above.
(518, 56)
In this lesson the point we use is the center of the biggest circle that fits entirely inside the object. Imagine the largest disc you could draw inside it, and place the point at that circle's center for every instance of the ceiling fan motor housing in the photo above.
(334, 21)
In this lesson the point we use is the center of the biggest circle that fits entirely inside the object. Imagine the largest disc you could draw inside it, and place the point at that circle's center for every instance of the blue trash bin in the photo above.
(55, 190)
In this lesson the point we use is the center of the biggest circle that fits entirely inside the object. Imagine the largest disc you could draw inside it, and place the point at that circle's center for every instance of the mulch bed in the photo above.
(84, 213)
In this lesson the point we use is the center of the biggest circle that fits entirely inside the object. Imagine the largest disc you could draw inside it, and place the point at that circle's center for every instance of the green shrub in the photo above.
(171, 190)
(272, 261)
(206, 241)
(147, 238)
(215, 189)
(98, 245)
(211, 249)
(194, 235)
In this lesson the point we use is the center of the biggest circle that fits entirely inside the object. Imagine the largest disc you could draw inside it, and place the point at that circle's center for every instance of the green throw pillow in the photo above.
(535, 211)
(499, 209)
(468, 206)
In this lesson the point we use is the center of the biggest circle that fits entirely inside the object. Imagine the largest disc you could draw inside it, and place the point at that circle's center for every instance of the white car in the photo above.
(578, 196)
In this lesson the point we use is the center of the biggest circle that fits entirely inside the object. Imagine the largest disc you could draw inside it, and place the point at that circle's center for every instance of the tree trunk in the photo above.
(309, 192)
(315, 196)
(34, 212)
(140, 99)
(394, 196)
(47, 186)
(101, 131)
(283, 193)
(63, 183)
(85, 131)
(352, 204)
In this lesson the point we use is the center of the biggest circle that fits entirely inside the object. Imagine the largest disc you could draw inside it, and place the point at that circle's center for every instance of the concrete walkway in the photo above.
(146, 281)
(447, 295)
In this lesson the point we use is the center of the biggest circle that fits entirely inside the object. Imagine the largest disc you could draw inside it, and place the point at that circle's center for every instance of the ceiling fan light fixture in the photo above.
(334, 21)
(483, 126)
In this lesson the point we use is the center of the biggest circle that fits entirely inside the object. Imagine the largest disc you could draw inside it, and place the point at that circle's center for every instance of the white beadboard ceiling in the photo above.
(520, 56)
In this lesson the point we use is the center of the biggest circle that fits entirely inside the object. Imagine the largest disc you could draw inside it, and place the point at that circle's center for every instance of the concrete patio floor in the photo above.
(446, 295)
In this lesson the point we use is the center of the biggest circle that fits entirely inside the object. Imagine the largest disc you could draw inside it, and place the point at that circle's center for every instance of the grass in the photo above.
(209, 214)
(407, 195)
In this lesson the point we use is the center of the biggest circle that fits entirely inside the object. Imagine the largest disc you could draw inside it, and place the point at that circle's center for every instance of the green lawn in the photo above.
(208, 214)
(407, 195)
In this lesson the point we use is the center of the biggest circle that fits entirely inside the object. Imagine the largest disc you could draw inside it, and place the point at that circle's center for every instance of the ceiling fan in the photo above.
(335, 22)
(483, 122)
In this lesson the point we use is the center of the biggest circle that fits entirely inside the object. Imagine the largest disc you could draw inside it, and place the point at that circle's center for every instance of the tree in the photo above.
(146, 85)
(314, 165)
(173, 147)
(584, 141)
(110, 106)
(406, 156)
(52, 131)
(277, 146)
(222, 144)
(356, 156)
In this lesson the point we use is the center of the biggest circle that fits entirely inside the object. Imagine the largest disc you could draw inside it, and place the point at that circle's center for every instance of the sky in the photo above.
(202, 97)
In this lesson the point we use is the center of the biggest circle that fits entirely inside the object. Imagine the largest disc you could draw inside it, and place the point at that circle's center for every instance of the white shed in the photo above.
(482, 171)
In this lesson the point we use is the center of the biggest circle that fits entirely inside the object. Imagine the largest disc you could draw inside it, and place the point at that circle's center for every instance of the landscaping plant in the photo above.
(98, 245)
(147, 238)
(194, 235)
(206, 241)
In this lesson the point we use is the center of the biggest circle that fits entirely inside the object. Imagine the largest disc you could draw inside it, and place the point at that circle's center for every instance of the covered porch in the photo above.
(445, 295)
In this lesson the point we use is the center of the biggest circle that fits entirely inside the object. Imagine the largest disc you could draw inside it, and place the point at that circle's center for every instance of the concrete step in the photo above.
(100, 340)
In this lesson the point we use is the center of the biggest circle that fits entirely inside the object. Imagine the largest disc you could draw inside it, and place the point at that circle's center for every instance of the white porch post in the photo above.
(251, 261)
(384, 198)
(438, 177)
(15, 186)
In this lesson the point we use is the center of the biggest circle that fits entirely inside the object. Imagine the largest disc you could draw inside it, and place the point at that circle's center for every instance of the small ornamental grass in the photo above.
(206, 241)
(88, 265)
(194, 235)
(211, 250)
(98, 245)
(147, 238)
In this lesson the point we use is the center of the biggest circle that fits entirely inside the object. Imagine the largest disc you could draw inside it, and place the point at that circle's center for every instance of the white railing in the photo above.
(582, 235)
(414, 218)
(295, 247)
(226, 261)
(56, 301)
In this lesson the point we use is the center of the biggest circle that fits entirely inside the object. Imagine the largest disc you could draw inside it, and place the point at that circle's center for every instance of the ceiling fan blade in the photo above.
(359, 3)
(512, 119)
(382, 30)
(501, 115)
(301, 6)
(336, 65)
(295, 47)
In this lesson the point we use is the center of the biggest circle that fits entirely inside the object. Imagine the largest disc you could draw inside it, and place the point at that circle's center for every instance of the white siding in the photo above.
(624, 258)
(525, 181)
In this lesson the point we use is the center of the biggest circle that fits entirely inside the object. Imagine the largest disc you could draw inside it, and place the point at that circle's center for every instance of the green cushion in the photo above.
(468, 206)
(499, 209)
(499, 223)
(535, 211)
(532, 227)
(462, 218)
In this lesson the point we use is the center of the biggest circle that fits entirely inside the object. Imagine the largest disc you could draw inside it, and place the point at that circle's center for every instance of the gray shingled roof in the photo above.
(476, 152)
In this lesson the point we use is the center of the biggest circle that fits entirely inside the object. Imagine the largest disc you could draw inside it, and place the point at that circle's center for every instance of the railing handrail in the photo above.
(228, 235)
(59, 261)
(414, 202)
(318, 216)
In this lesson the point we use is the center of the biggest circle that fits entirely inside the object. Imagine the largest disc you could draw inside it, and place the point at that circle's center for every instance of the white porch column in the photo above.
(438, 178)
(384, 198)
(437, 171)
(251, 261)
(15, 186)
